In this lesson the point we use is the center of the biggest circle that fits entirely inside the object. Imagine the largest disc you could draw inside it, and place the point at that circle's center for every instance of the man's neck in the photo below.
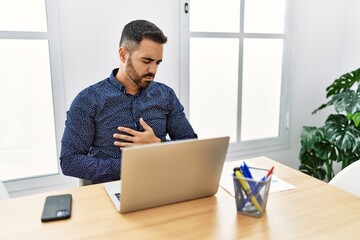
(130, 87)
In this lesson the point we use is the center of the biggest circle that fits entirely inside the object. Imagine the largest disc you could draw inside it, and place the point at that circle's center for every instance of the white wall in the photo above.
(90, 34)
(325, 44)
(351, 38)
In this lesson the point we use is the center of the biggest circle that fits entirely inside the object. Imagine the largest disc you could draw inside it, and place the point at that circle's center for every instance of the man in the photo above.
(126, 109)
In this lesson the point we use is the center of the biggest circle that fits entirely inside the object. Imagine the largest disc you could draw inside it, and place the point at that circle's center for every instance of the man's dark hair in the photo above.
(134, 32)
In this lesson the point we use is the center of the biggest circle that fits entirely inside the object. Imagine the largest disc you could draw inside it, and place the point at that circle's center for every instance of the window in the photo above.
(234, 71)
(31, 94)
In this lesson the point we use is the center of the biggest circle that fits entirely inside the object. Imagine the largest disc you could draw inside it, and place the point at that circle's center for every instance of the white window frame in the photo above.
(241, 148)
(38, 184)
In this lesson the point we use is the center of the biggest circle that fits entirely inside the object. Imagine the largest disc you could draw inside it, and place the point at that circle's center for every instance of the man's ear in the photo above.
(122, 54)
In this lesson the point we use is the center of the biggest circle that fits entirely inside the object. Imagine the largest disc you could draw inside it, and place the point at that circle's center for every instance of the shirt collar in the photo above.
(120, 86)
(115, 82)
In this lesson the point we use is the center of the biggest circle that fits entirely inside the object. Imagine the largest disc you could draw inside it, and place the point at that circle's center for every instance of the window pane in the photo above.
(23, 15)
(214, 16)
(213, 86)
(261, 88)
(264, 16)
(27, 139)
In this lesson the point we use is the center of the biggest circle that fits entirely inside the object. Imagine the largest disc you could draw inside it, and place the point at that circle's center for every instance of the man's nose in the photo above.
(153, 68)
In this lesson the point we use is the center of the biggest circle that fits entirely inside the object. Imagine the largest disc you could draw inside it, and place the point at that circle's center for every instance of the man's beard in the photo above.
(135, 76)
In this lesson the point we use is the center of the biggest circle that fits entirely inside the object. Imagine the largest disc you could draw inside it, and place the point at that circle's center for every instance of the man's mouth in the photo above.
(148, 77)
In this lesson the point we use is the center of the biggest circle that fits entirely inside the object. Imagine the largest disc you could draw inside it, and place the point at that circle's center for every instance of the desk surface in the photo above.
(314, 210)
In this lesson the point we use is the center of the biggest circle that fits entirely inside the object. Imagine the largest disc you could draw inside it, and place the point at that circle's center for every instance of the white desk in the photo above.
(314, 210)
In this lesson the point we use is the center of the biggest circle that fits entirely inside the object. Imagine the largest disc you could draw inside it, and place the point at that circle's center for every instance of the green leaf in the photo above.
(356, 119)
(310, 136)
(346, 81)
(348, 157)
(347, 101)
(340, 132)
(349, 116)
(325, 150)
(312, 165)
(325, 105)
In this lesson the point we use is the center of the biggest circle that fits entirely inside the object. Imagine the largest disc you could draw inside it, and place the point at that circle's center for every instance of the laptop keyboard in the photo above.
(117, 195)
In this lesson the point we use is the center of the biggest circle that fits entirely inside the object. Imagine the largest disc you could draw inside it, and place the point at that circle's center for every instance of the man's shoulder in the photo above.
(93, 94)
(96, 88)
(161, 86)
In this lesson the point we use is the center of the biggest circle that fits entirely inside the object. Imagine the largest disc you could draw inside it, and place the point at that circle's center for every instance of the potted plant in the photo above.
(339, 139)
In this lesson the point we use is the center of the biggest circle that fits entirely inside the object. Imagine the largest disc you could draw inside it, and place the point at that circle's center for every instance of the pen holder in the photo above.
(251, 194)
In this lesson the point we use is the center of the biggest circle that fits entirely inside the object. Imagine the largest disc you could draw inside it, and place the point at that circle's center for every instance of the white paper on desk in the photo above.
(226, 180)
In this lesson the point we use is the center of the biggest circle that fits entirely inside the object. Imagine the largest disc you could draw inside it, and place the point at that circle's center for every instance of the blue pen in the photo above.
(246, 172)
(255, 187)
(246, 168)
(259, 186)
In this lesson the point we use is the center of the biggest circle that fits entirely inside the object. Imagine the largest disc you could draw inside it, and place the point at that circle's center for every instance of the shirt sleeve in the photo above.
(178, 126)
(76, 143)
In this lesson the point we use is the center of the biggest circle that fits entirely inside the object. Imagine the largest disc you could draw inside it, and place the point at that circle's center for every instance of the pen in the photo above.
(253, 186)
(258, 186)
(247, 189)
(246, 171)
(270, 172)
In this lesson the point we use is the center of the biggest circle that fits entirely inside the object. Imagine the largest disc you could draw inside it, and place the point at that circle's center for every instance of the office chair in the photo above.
(84, 182)
(348, 179)
(3, 192)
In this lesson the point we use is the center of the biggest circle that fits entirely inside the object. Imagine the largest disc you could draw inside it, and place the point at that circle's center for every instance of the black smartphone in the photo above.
(57, 207)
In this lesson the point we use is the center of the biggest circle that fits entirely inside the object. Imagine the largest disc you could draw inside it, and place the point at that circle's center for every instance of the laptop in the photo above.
(158, 174)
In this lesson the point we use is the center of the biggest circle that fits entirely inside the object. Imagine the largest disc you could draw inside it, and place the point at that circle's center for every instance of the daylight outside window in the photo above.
(236, 72)
(29, 81)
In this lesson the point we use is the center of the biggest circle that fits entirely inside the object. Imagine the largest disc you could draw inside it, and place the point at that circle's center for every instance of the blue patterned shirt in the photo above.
(87, 149)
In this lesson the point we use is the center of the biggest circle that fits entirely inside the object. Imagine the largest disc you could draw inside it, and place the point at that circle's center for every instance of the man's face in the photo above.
(142, 64)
